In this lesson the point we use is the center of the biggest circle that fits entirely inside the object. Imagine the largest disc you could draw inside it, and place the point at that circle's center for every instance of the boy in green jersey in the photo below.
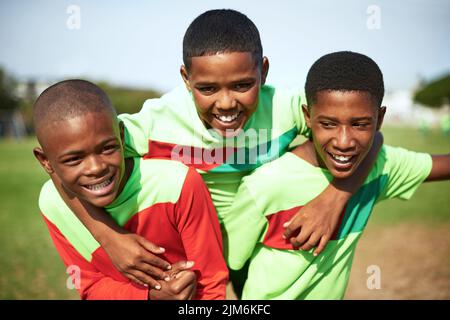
(225, 122)
(344, 92)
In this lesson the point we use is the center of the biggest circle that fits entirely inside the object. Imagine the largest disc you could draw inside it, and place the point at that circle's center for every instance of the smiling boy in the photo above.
(161, 200)
(344, 92)
(224, 122)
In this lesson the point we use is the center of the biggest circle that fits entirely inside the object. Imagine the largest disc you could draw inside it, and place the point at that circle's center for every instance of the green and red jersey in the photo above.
(170, 128)
(163, 201)
(275, 192)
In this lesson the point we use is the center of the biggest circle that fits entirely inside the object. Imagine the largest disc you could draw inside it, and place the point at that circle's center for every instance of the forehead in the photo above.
(91, 126)
(350, 103)
(232, 64)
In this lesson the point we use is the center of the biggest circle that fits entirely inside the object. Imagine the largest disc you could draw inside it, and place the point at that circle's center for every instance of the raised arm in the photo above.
(440, 169)
(131, 254)
(319, 218)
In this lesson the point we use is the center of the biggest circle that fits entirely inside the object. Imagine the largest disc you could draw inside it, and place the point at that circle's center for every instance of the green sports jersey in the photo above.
(276, 191)
(170, 128)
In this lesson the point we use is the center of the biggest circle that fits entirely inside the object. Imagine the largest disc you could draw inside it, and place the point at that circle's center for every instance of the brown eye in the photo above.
(110, 148)
(206, 90)
(243, 86)
(72, 161)
(361, 125)
(327, 124)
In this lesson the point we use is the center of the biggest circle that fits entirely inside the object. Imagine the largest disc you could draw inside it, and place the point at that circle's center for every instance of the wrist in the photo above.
(105, 237)
(338, 192)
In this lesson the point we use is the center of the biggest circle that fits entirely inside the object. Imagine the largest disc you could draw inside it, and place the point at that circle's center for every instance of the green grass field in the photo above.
(31, 269)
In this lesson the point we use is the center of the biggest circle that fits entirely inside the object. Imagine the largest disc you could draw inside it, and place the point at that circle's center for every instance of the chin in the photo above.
(230, 133)
(341, 175)
(101, 202)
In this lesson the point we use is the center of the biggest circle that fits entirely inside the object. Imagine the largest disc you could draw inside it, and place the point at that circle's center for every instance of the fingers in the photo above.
(311, 242)
(184, 284)
(291, 226)
(153, 272)
(180, 266)
(149, 257)
(323, 242)
(142, 279)
(301, 238)
(150, 246)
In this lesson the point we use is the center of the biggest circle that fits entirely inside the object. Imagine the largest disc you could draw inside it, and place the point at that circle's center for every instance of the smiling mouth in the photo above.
(343, 160)
(102, 188)
(99, 186)
(227, 119)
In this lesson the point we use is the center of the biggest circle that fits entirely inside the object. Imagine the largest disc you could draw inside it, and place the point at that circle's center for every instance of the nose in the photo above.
(344, 140)
(94, 166)
(226, 100)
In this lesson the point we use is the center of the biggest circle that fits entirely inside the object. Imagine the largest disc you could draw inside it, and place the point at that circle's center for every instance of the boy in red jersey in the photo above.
(161, 200)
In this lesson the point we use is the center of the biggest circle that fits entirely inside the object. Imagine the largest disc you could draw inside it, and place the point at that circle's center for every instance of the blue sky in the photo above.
(138, 43)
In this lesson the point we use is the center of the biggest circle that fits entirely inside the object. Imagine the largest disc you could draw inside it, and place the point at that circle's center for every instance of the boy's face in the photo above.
(86, 155)
(225, 88)
(343, 126)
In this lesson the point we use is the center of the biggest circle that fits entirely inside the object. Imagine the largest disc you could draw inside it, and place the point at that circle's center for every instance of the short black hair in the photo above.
(69, 99)
(345, 71)
(221, 31)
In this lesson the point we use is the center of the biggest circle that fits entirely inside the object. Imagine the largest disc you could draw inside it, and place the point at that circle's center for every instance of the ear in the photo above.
(185, 76)
(264, 70)
(306, 115)
(381, 113)
(43, 160)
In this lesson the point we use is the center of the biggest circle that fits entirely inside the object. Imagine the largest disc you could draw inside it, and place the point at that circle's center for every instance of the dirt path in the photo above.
(414, 261)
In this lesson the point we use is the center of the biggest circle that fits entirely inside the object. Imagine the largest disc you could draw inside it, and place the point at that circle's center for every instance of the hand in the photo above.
(317, 221)
(181, 286)
(135, 257)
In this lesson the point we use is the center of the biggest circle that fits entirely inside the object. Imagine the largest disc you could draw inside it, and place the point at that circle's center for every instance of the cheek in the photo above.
(321, 137)
(203, 104)
(115, 160)
(249, 100)
(68, 176)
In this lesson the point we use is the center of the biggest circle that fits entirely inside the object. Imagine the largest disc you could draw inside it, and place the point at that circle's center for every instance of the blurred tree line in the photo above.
(434, 94)
(16, 111)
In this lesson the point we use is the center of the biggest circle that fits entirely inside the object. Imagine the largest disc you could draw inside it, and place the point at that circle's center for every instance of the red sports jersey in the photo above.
(163, 201)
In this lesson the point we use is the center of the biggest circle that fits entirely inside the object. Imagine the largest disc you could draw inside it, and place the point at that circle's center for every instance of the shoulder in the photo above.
(276, 93)
(164, 178)
(50, 202)
(163, 168)
(398, 158)
(175, 98)
(169, 102)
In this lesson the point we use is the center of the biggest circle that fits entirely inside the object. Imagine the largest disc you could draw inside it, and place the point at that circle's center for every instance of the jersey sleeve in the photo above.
(199, 228)
(406, 170)
(244, 226)
(93, 284)
(137, 129)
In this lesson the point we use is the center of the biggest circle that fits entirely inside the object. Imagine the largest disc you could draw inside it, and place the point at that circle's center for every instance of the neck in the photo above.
(307, 152)
(129, 164)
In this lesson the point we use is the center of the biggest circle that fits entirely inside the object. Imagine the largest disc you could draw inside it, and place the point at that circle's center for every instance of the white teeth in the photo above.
(99, 186)
(341, 158)
(227, 118)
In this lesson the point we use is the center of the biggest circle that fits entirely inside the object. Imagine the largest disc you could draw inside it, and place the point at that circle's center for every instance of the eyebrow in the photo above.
(207, 83)
(352, 119)
(77, 152)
